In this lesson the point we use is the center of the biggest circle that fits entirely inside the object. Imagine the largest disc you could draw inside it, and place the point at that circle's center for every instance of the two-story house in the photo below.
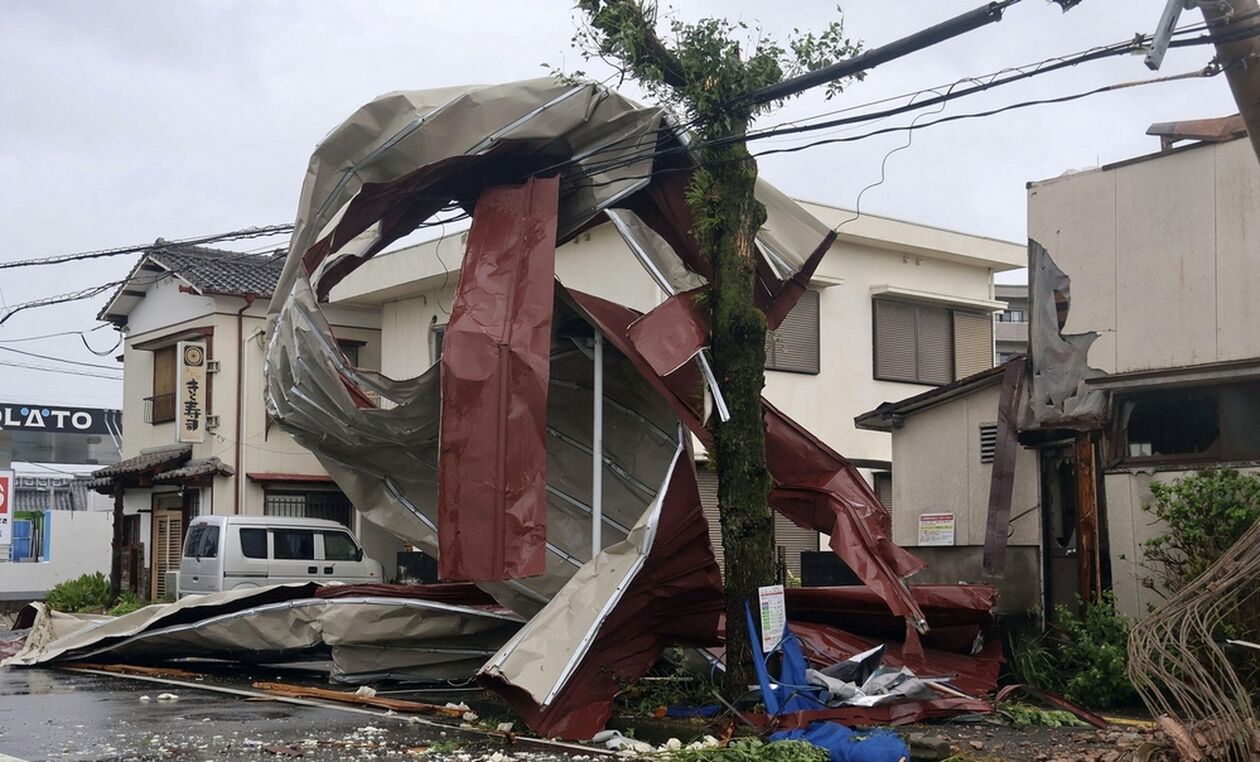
(237, 463)
(893, 308)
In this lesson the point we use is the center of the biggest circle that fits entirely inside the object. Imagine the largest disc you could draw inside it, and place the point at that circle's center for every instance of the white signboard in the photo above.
(773, 616)
(936, 529)
(190, 406)
(6, 507)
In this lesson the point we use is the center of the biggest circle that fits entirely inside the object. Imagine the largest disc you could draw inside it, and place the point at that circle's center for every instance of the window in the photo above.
(928, 343)
(988, 442)
(1012, 316)
(308, 504)
(294, 544)
(793, 346)
(351, 350)
(254, 543)
(161, 406)
(436, 338)
(339, 547)
(1197, 424)
(883, 488)
(202, 542)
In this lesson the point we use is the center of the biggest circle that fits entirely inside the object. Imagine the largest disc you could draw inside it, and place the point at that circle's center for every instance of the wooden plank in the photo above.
(349, 697)
(1002, 477)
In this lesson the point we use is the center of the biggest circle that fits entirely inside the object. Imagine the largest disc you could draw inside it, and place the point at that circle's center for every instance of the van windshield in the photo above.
(202, 541)
(339, 547)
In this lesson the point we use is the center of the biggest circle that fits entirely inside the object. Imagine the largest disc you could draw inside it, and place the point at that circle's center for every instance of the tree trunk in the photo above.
(116, 546)
(726, 230)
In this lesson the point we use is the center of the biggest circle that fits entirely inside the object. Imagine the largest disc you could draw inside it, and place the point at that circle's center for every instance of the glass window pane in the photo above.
(192, 541)
(339, 547)
(254, 543)
(209, 541)
(295, 544)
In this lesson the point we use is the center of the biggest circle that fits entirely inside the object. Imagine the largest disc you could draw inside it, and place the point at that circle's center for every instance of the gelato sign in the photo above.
(59, 420)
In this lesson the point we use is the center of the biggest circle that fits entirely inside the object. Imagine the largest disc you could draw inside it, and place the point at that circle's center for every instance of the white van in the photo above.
(231, 552)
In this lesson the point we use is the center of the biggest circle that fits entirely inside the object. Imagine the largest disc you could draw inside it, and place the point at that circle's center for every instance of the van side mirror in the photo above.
(358, 554)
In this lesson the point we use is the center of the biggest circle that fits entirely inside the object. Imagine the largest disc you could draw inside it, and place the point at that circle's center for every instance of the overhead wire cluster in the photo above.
(632, 150)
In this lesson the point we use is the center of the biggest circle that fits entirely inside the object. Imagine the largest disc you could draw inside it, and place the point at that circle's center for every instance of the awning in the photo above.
(194, 471)
(169, 465)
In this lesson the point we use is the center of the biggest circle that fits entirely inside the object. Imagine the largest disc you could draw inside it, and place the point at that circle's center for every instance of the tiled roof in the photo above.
(209, 271)
(222, 272)
(158, 457)
(194, 469)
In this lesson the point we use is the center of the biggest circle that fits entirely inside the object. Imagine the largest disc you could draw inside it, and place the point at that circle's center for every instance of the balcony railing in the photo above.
(160, 408)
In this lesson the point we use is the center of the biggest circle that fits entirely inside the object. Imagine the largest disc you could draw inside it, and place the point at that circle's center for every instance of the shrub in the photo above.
(127, 603)
(1205, 513)
(87, 593)
(1084, 659)
(1091, 660)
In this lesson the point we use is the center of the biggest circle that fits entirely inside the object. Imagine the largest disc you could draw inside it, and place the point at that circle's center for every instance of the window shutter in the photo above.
(894, 341)
(706, 479)
(988, 442)
(973, 343)
(164, 371)
(794, 540)
(935, 346)
(793, 346)
(883, 489)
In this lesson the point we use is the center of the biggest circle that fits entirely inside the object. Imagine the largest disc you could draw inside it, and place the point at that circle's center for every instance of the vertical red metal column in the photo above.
(496, 358)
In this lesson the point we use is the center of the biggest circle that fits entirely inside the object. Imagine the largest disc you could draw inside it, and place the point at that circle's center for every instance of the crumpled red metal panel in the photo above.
(492, 470)
(671, 333)
(675, 598)
(956, 613)
(814, 486)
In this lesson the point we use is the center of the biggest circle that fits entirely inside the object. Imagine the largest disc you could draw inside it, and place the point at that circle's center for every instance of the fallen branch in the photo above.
(349, 697)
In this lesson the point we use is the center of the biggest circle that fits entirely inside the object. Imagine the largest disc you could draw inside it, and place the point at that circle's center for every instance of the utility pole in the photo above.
(1240, 57)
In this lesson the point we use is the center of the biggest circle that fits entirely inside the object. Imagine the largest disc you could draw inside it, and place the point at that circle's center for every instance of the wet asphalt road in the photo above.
(57, 715)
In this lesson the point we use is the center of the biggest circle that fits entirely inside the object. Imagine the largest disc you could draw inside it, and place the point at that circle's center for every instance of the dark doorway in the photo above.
(1059, 528)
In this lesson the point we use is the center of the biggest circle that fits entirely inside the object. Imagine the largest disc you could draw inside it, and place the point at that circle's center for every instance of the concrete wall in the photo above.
(1128, 527)
(80, 544)
(1161, 252)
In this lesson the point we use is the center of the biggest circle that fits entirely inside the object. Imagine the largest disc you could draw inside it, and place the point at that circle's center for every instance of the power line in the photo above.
(39, 356)
(63, 371)
(19, 339)
(250, 232)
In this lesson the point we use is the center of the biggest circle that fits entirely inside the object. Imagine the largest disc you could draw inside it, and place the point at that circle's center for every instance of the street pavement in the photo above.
(50, 714)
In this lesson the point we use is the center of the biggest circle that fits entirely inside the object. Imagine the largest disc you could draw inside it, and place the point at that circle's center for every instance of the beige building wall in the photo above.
(1162, 255)
(942, 446)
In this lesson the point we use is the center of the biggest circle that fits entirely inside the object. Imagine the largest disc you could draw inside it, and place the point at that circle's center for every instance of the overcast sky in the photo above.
(122, 122)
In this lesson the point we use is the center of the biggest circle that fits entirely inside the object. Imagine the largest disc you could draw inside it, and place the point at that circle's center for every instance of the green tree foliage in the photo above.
(1204, 514)
(707, 70)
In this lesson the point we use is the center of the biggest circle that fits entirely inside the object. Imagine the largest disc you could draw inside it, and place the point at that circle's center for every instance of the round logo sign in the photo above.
(194, 356)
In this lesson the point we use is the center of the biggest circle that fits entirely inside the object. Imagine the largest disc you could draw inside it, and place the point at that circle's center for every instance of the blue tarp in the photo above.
(793, 693)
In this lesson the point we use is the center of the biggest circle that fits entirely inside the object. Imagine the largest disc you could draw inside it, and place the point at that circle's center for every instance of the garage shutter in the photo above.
(793, 346)
(794, 541)
(894, 341)
(707, 480)
(973, 343)
(935, 345)
(792, 538)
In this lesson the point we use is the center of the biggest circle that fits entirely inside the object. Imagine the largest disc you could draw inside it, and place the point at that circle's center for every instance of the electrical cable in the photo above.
(63, 371)
(53, 335)
(39, 356)
(251, 232)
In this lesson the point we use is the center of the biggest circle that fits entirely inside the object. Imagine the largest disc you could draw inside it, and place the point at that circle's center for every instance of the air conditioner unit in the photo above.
(212, 422)
(172, 584)
(212, 366)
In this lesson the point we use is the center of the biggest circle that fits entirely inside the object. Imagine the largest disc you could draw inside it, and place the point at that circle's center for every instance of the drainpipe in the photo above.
(240, 399)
